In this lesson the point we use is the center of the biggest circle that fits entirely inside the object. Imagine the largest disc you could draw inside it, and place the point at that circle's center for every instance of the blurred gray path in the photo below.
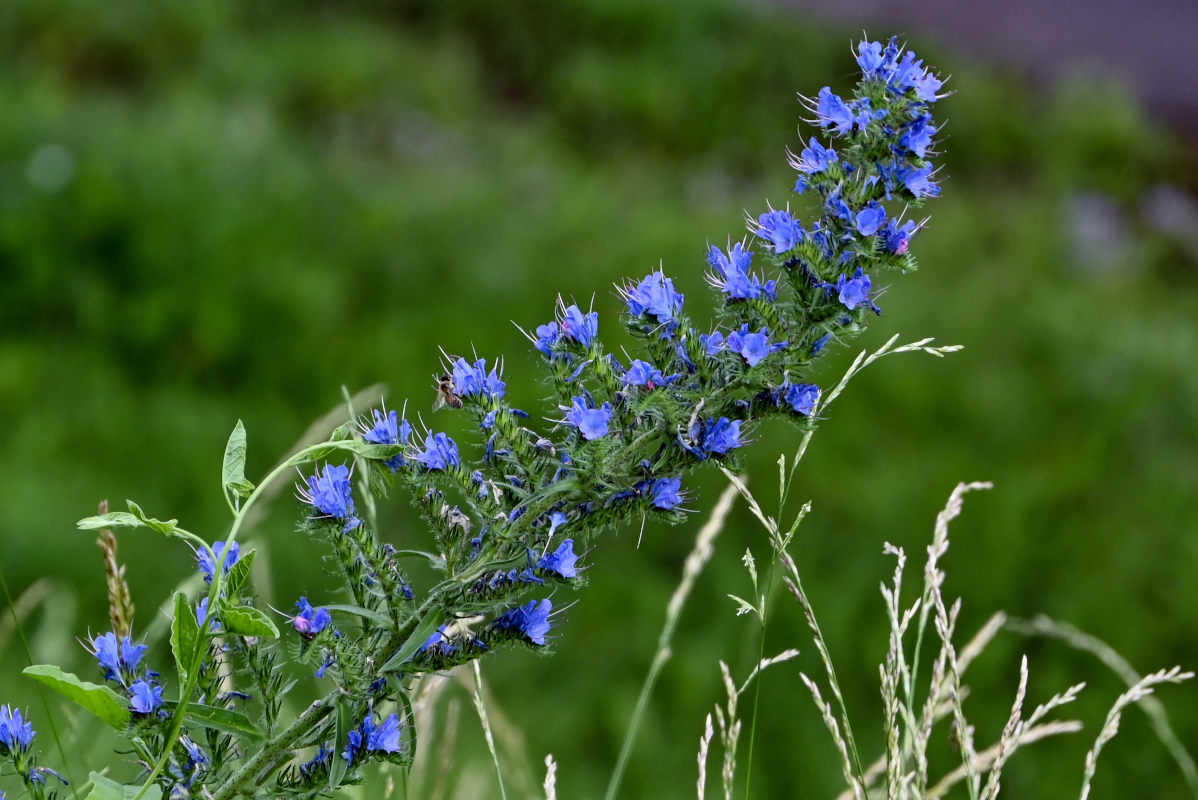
(1152, 46)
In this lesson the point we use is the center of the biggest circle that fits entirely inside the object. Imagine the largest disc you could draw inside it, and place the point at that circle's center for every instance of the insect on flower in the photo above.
(446, 394)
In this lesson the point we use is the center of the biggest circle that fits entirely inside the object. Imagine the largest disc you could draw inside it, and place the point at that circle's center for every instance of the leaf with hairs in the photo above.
(99, 700)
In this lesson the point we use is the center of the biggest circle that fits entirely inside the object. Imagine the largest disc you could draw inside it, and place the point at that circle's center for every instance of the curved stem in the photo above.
(312, 716)
(214, 594)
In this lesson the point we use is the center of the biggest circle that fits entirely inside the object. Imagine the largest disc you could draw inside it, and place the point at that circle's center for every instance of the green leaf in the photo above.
(107, 789)
(408, 649)
(381, 620)
(185, 634)
(113, 519)
(167, 527)
(233, 471)
(239, 573)
(435, 561)
(218, 719)
(375, 452)
(100, 700)
(345, 724)
(248, 621)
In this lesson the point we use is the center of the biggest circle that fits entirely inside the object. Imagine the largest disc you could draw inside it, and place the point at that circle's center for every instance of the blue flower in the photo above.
(870, 218)
(388, 429)
(732, 275)
(580, 327)
(917, 135)
(208, 567)
(330, 493)
(854, 291)
(664, 493)
(145, 697)
(655, 296)
(831, 111)
(642, 373)
(131, 654)
(106, 649)
(802, 397)
(437, 643)
(386, 737)
(353, 743)
(187, 773)
(474, 380)
(918, 180)
(310, 621)
(592, 423)
(530, 620)
(15, 733)
(815, 158)
(556, 520)
(202, 615)
(712, 436)
(752, 347)
(819, 344)
(812, 160)
(779, 228)
(560, 562)
(721, 435)
(910, 74)
(870, 58)
(318, 761)
(712, 342)
(895, 238)
(547, 337)
(440, 452)
(836, 206)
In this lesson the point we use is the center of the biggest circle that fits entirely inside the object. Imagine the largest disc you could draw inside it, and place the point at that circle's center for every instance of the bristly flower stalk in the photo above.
(616, 447)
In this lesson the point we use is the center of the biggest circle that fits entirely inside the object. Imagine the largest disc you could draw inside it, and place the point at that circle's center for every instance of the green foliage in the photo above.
(104, 788)
(186, 637)
(98, 699)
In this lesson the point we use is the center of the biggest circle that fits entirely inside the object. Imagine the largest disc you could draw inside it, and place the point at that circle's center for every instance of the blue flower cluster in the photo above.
(16, 734)
(388, 429)
(474, 380)
(121, 662)
(310, 621)
(385, 737)
(529, 622)
(330, 493)
(227, 559)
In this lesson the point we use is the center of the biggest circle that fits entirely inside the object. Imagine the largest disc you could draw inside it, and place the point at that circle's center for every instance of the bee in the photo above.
(446, 394)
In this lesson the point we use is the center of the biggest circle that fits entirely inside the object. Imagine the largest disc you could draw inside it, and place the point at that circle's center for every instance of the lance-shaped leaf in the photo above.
(218, 719)
(104, 788)
(381, 620)
(185, 634)
(113, 519)
(167, 527)
(99, 700)
(239, 573)
(408, 649)
(248, 621)
(233, 470)
(345, 724)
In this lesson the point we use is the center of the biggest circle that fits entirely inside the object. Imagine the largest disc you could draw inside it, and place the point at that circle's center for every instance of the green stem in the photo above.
(213, 598)
(311, 717)
(769, 586)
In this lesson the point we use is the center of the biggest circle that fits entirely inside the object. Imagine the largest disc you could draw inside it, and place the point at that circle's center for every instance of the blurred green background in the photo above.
(223, 210)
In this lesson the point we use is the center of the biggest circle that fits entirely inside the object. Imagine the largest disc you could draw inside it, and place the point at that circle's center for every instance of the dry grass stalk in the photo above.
(120, 602)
